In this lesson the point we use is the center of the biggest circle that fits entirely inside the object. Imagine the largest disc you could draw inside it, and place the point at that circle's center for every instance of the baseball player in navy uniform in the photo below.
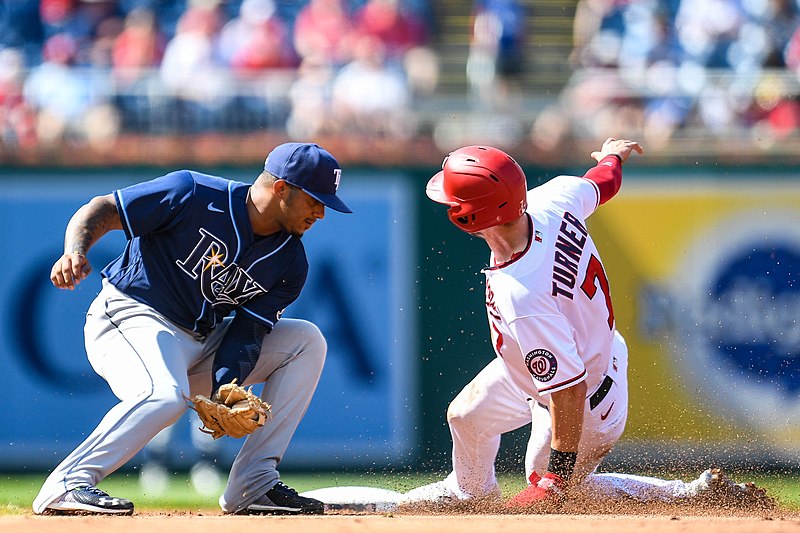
(194, 302)
(561, 364)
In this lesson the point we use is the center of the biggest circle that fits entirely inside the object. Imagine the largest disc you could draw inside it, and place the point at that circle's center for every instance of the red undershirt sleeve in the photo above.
(607, 175)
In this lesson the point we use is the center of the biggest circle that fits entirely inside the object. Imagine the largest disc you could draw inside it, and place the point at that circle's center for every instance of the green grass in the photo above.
(17, 491)
(786, 489)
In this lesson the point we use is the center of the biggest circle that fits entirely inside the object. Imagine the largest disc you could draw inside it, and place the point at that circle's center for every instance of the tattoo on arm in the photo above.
(89, 223)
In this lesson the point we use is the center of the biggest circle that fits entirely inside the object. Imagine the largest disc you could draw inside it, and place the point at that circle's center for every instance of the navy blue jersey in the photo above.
(192, 254)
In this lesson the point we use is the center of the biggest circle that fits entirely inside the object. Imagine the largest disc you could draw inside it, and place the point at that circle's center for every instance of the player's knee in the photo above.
(314, 344)
(457, 413)
(466, 405)
(167, 404)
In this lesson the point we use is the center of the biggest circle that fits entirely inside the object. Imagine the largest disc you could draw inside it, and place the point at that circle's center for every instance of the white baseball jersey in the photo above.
(549, 307)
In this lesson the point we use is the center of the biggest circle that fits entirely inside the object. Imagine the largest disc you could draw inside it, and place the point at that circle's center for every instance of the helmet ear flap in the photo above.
(455, 215)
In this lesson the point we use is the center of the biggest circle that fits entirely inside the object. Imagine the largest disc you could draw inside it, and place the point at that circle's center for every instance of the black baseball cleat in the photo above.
(89, 500)
(282, 499)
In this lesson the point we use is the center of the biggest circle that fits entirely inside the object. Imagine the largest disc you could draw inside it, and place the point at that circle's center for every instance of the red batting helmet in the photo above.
(483, 186)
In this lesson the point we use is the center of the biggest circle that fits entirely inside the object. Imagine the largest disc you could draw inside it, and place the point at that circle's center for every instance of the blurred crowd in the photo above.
(706, 68)
(87, 69)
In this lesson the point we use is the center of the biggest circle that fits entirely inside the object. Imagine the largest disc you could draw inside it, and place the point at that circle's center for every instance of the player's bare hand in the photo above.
(620, 147)
(70, 270)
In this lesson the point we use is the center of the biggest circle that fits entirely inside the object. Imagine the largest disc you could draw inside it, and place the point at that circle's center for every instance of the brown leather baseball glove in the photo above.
(233, 411)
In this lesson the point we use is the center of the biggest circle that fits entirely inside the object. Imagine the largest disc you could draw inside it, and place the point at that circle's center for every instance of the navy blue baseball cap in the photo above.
(309, 167)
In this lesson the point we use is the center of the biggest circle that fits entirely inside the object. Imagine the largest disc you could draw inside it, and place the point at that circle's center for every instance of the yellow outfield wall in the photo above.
(705, 277)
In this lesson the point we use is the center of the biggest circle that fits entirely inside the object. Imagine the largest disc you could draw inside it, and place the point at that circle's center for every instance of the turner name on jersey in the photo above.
(569, 245)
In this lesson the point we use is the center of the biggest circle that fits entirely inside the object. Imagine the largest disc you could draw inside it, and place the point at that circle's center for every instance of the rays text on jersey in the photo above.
(220, 284)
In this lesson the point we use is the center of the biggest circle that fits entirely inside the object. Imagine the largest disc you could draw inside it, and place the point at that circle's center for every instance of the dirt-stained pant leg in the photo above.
(290, 364)
(612, 486)
(487, 407)
(608, 420)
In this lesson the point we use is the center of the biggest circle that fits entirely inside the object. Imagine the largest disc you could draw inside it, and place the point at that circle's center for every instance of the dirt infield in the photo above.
(195, 523)
(580, 514)
(752, 512)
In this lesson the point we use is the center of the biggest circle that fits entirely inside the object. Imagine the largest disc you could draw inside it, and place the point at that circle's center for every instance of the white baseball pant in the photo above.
(491, 405)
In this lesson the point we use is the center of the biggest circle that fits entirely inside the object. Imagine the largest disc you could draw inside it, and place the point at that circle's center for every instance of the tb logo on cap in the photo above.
(337, 175)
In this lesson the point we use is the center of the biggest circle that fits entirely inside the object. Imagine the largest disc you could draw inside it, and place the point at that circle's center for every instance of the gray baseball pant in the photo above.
(152, 366)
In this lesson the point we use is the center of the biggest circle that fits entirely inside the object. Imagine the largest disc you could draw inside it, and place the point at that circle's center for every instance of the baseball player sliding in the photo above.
(192, 307)
(560, 363)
